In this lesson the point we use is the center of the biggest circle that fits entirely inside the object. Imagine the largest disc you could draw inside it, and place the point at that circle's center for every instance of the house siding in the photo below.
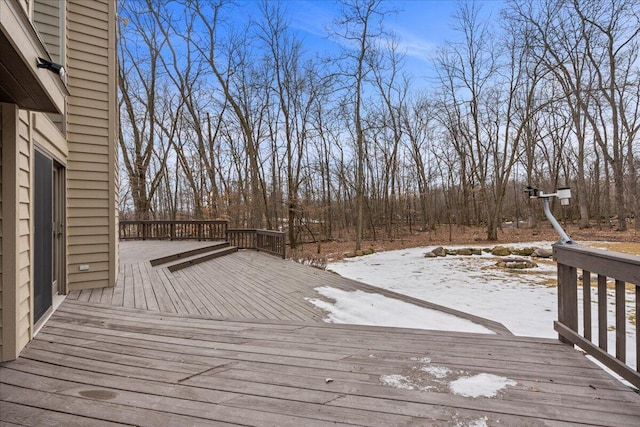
(84, 142)
(24, 284)
(16, 231)
(46, 17)
(91, 133)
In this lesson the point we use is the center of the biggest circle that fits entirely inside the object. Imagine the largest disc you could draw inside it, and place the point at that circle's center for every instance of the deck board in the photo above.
(245, 284)
(234, 341)
(94, 363)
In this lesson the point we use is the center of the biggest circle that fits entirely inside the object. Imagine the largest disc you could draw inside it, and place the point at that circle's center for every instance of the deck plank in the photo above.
(23, 415)
(128, 297)
(139, 298)
(174, 367)
(96, 409)
(233, 341)
(181, 300)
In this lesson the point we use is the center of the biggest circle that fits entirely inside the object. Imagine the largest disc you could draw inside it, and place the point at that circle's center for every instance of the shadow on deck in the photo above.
(213, 345)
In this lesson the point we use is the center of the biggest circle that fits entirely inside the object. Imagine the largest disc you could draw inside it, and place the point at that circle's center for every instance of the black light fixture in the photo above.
(51, 66)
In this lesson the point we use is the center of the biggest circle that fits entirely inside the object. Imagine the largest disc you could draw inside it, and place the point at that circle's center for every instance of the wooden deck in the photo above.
(246, 284)
(139, 356)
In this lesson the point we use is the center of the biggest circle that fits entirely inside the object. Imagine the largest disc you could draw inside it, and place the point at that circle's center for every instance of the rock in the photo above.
(349, 254)
(430, 255)
(516, 263)
(501, 251)
(542, 253)
(486, 250)
(523, 251)
(476, 251)
(439, 251)
(465, 251)
(451, 252)
(368, 251)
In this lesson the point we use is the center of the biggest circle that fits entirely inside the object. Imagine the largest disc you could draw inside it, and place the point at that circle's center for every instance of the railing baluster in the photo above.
(602, 312)
(621, 322)
(586, 306)
(568, 298)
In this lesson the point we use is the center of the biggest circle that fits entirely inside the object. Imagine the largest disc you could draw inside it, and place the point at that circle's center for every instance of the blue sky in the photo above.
(421, 25)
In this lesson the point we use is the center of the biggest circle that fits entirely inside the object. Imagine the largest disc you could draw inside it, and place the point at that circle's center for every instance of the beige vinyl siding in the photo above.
(46, 17)
(24, 286)
(91, 133)
(49, 138)
(17, 261)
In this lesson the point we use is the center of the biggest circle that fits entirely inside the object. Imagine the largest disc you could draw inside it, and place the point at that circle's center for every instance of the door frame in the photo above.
(42, 275)
(59, 266)
(58, 284)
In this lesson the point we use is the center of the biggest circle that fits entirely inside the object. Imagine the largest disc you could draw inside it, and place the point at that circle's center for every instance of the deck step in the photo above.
(188, 254)
(196, 259)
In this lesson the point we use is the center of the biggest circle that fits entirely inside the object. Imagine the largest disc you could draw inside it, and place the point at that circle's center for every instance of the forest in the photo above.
(249, 124)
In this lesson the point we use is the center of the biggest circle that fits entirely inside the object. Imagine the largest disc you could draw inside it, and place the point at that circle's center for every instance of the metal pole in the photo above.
(564, 237)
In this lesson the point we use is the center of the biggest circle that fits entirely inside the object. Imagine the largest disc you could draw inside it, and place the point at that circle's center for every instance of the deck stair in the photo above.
(187, 254)
(185, 259)
(196, 259)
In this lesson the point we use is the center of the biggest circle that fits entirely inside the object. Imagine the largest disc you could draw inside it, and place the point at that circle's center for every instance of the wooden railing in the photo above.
(622, 269)
(173, 230)
(272, 242)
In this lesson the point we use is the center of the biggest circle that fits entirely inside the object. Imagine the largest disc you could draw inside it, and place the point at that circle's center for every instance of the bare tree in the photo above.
(140, 91)
(229, 64)
(358, 27)
(612, 40)
(295, 85)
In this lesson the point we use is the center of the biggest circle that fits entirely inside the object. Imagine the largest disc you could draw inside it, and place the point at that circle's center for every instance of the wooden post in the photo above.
(283, 242)
(567, 298)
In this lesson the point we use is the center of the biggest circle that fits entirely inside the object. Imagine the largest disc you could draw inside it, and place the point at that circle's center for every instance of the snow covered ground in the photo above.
(364, 308)
(524, 301)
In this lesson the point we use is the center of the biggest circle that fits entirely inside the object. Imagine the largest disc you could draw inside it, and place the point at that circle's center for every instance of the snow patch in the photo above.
(397, 381)
(481, 385)
(363, 308)
(402, 382)
(478, 422)
(437, 371)
(523, 302)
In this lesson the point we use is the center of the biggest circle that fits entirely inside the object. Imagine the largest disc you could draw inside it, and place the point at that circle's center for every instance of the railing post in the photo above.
(283, 242)
(567, 298)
